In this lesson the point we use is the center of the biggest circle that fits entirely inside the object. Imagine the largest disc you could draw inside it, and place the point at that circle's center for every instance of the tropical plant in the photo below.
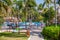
(40, 7)
(48, 13)
(55, 13)
(25, 6)
(47, 2)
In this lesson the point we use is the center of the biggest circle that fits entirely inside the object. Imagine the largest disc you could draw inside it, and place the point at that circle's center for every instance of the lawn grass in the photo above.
(13, 36)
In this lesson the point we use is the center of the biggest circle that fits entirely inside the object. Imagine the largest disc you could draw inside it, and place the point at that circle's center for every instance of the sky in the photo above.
(39, 1)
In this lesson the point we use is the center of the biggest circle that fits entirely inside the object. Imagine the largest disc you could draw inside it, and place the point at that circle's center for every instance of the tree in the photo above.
(55, 13)
(1, 20)
(25, 9)
(49, 13)
(40, 10)
(55, 2)
(25, 6)
(40, 7)
(2, 11)
(58, 2)
(9, 6)
(58, 11)
(47, 2)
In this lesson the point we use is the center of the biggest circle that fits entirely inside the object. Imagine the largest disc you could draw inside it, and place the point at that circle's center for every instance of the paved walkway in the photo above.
(36, 35)
(36, 38)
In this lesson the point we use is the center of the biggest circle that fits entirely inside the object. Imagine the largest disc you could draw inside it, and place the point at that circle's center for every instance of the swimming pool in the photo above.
(23, 24)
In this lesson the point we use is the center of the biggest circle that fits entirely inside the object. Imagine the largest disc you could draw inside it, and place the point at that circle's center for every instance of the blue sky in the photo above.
(39, 1)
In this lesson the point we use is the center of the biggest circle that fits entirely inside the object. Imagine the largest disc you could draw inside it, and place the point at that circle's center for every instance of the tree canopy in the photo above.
(27, 10)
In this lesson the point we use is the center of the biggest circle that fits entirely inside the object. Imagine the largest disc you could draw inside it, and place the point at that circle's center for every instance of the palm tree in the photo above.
(47, 2)
(58, 11)
(30, 4)
(55, 13)
(55, 2)
(3, 9)
(9, 8)
(25, 5)
(40, 9)
(25, 8)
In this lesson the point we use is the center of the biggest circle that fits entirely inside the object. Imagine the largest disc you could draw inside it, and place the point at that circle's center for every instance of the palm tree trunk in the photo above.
(49, 16)
(55, 13)
(26, 13)
(26, 19)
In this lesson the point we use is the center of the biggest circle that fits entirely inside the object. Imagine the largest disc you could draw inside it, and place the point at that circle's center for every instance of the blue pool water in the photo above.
(22, 24)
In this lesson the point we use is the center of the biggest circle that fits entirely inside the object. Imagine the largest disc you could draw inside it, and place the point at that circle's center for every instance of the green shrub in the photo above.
(51, 32)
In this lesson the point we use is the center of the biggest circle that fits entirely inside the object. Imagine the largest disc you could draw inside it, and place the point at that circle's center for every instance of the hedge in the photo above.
(52, 33)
